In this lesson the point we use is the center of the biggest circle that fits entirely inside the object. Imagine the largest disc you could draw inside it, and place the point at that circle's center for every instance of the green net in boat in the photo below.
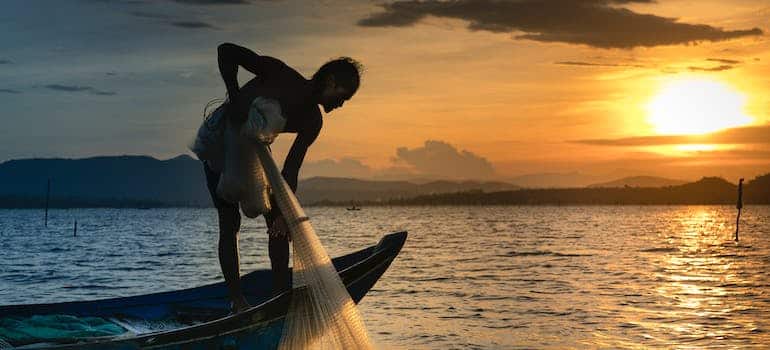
(51, 328)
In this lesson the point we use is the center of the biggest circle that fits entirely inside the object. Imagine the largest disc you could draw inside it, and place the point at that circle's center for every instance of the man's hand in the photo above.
(279, 228)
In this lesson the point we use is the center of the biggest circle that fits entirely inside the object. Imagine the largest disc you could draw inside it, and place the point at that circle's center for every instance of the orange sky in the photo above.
(500, 89)
(520, 104)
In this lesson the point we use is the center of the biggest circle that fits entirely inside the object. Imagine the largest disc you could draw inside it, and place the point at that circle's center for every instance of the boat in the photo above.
(199, 318)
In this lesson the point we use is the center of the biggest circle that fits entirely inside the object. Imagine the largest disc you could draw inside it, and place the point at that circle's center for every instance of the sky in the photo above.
(461, 89)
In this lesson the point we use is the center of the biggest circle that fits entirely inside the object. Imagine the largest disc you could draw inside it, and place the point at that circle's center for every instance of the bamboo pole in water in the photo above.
(47, 198)
(739, 206)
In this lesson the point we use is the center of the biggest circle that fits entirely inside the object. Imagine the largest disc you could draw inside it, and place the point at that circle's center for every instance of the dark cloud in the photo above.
(723, 61)
(440, 159)
(743, 154)
(75, 88)
(9, 91)
(3, 61)
(591, 22)
(345, 167)
(720, 68)
(152, 15)
(213, 2)
(591, 64)
(191, 24)
(744, 135)
(172, 20)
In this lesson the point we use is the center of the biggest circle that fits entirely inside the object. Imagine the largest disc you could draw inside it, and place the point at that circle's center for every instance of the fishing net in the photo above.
(243, 180)
(229, 148)
(45, 328)
(321, 313)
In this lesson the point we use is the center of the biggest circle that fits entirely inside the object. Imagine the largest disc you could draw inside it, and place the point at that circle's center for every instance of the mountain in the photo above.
(555, 180)
(318, 190)
(138, 181)
(708, 190)
(639, 181)
(103, 181)
(757, 190)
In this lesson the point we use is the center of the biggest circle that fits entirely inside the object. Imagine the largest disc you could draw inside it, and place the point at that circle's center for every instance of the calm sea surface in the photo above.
(468, 277)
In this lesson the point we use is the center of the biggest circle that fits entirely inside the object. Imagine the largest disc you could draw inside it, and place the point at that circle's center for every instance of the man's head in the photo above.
(336, 82)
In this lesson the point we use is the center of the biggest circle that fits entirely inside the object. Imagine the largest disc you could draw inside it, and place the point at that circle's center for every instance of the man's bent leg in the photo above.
(279, 261)
(229, 224)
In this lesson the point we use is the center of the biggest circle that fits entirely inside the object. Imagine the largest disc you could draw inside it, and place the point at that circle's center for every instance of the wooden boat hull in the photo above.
(207, 307)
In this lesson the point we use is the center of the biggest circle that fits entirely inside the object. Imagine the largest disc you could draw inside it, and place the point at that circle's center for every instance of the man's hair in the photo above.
(346, 72)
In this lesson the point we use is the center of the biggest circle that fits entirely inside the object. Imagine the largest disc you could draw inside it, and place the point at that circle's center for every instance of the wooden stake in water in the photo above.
(739, 206)
(47, 198)
(75, 230)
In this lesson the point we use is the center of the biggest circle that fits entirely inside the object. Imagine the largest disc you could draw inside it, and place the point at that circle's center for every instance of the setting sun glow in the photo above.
(696, 106)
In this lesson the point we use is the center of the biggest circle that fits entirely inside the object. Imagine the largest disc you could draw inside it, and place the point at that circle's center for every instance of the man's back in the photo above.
(278, 81)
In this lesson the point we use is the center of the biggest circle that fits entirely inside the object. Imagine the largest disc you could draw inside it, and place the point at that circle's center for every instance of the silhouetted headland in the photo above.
(143, 182)
(706, 191)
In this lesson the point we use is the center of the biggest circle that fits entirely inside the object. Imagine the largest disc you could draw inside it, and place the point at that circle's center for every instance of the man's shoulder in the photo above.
(282, 70)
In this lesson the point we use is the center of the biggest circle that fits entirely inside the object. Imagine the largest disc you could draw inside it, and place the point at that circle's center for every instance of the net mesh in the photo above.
(243, 180)
(321, 313)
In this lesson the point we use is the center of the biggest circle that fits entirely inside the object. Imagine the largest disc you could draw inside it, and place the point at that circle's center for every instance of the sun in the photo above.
(696, 106)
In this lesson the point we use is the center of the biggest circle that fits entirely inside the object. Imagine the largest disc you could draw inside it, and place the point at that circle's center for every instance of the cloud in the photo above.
(4, 61)
(723, 60)
(174, 21)
(152, 15)
(213, 2)
(192, 24)
(719, 68)
(435, 160)
(345, 167)
(74, 88)
(591, 64)
(744, 135)
(10, 91)
(440, 159)
(590, 22)
(725, 64)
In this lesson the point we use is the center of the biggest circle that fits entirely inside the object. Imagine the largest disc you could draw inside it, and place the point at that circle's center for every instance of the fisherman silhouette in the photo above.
(333, 84)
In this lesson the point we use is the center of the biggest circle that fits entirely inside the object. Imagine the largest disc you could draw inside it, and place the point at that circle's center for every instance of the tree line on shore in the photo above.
(707, 191)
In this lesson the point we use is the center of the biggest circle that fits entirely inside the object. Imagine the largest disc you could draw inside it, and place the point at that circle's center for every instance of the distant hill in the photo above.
(758, 190)
(319, 190)
(555, 180)
(104, 181)
(639, 181)
(141, 181)
(708, 190)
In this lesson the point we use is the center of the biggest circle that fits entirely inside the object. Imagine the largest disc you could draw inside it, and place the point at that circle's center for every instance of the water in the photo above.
(468, 277)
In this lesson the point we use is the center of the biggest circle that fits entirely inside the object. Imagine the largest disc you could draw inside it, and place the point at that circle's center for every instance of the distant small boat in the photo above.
(198, 318)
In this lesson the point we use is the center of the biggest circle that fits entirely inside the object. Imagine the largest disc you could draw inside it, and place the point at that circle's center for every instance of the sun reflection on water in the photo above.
(694, 281)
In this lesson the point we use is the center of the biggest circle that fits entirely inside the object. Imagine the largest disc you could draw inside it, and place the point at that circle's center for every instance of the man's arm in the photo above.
(230, 57)
(291, 166)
